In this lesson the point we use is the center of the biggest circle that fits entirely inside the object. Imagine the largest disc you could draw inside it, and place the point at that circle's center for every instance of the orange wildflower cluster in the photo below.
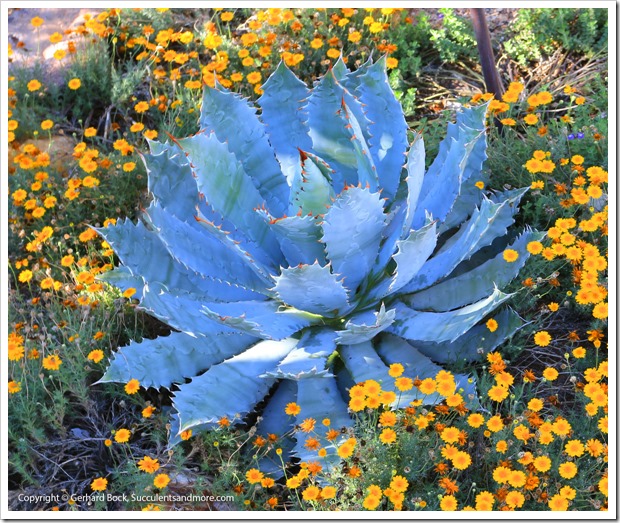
(268, 36)
(588, 262)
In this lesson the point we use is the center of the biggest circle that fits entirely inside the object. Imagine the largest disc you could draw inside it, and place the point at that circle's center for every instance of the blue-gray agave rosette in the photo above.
(304, 248)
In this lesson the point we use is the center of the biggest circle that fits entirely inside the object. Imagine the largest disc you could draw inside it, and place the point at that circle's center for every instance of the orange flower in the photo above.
(515, 499)
(498, 393)
(448, 485)
(387, 436)
(96, 355)
(311, 493)
(122, 435)
(307, 425)
(558, 503)
(510, 255)
(52, 362)
(568, 470)
(99, 484)
(34, 85)
(461, 460)
(148, 464)
(396, 370)
(141, 107)
(132, 386)
(404, 384)
(542, 338)
(448, 503)
(161, 481)
(292, 409)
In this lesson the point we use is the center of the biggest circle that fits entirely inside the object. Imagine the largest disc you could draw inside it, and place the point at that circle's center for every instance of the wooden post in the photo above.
(487, 60)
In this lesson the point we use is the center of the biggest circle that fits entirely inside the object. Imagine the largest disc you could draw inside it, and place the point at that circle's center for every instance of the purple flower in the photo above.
(571, 136)
(580, 136)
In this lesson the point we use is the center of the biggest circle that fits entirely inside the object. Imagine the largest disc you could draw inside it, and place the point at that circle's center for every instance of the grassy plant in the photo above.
(540, 31)
(74, 159)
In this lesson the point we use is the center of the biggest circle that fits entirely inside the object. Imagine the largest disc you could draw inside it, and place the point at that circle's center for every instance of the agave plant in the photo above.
(306, 248)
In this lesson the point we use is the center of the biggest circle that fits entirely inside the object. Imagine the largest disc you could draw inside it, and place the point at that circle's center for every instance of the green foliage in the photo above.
(412, 41)
(454, 40)
(539, 32)
(92, 65)
(404, 94)
(59, 408)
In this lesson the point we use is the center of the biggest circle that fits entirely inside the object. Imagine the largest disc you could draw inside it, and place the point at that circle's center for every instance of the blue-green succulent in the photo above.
(303, 248)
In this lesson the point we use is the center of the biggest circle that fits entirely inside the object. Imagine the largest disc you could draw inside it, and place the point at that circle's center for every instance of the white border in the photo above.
(612, 164)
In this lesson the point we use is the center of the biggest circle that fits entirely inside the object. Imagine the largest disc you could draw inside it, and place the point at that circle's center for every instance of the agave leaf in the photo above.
(389, 128)
(470, 196)
(174, 432)
(309, 358)
(299, 238)
(473, 122)
(173, 188)
(151, 260)
(368, 265)
(263, 319)
(330, 139)
(351, 101)
(207, 255)
(284, 112)
(504, 207)
(442, 326)
(366, 170)
(402, 209)
(314, 289)
(238, 250)
(352, 79)
(352, 233)
(393, 349)
(445, 186)
(411, 255)
(229, 190)
(122, 278)
(443, 179)
(363, 363)
(321, 399)
(170, 359)
(474, 284)
(391, 234)
(231, 388)
(475, 343)
(170, 179)
(311, 190)
(485, 224)
(365, 326)
(340, 69)
(415, 166)
(222, 112)
(274, 420)
(180, 309)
